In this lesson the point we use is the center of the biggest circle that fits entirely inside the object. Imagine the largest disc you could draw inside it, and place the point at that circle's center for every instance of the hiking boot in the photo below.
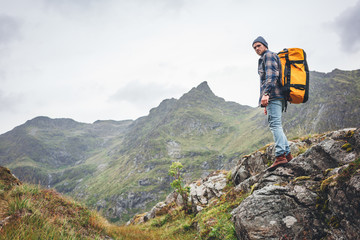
(289, 157)
(279, 161)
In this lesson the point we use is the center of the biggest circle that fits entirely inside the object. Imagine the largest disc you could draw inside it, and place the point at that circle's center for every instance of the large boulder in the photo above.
(315, 196)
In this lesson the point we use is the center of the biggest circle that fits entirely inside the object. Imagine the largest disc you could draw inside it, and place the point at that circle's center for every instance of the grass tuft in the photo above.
(35, 213)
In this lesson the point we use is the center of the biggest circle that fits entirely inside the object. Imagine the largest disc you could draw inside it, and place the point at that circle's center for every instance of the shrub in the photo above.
(18, 205)
(179, 185)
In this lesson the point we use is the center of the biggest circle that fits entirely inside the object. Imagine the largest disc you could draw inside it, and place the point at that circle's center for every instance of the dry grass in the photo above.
(31, 212)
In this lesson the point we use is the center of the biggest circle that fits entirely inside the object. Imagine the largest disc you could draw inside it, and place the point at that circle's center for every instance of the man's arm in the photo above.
(265, 102)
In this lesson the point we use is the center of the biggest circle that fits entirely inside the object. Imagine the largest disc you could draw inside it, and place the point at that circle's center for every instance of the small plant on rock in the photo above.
(179, 185)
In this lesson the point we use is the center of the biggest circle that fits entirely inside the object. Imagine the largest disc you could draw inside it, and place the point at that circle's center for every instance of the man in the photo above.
(272, 99)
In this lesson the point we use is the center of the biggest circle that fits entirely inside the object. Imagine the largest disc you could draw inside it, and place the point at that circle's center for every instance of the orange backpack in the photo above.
(295, 75)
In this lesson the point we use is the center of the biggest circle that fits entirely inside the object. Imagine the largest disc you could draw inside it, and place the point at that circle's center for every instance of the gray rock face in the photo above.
(273, 212)
(305, 199)
(203, 191)
(157, 210)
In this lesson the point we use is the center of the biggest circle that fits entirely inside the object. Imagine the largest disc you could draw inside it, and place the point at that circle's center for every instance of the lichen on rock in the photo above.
(315, 196)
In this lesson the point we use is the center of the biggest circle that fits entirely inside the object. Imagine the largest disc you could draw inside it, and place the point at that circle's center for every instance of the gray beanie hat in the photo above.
(260, 39)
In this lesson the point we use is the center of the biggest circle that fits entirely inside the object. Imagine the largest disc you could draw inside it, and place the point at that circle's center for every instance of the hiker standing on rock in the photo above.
(272, 99)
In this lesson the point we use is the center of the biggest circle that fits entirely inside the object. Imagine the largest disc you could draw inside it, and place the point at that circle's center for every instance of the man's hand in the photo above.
(265, 111)
(264, 100)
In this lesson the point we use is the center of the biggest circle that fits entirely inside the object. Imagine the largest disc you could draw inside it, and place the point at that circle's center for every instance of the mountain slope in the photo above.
(120, 167)
(36, 150)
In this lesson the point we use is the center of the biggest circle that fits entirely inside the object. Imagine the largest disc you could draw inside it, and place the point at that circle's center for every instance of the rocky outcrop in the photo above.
(315, 196)
(202, 192)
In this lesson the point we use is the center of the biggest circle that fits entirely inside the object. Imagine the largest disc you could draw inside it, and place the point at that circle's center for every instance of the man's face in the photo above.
(259, 48)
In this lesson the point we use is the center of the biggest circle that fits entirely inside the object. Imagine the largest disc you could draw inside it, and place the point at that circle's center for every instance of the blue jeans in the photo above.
(274, 111)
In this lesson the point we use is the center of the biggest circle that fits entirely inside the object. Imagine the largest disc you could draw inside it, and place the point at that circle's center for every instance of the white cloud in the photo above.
(110, 59)
(10, 102)
(9, 29)
(140, 93)
(347, 25)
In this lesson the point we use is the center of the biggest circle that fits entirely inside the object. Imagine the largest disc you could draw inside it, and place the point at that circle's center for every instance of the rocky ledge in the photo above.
(315, 196)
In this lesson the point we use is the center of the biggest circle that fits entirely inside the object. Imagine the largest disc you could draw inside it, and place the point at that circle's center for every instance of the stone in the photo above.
(281, 207)
(202, 192)
(272, 212)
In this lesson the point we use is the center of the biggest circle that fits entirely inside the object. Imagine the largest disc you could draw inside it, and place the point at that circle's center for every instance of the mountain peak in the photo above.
(200, 94)
(204, 87)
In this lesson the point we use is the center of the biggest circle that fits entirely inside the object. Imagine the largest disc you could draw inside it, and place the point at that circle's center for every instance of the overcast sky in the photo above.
(116, 59)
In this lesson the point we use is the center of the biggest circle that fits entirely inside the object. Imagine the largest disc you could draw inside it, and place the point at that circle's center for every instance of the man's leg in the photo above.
(274, 110)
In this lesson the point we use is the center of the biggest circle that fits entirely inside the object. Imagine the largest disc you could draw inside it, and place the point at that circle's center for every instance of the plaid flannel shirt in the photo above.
(269, 69)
